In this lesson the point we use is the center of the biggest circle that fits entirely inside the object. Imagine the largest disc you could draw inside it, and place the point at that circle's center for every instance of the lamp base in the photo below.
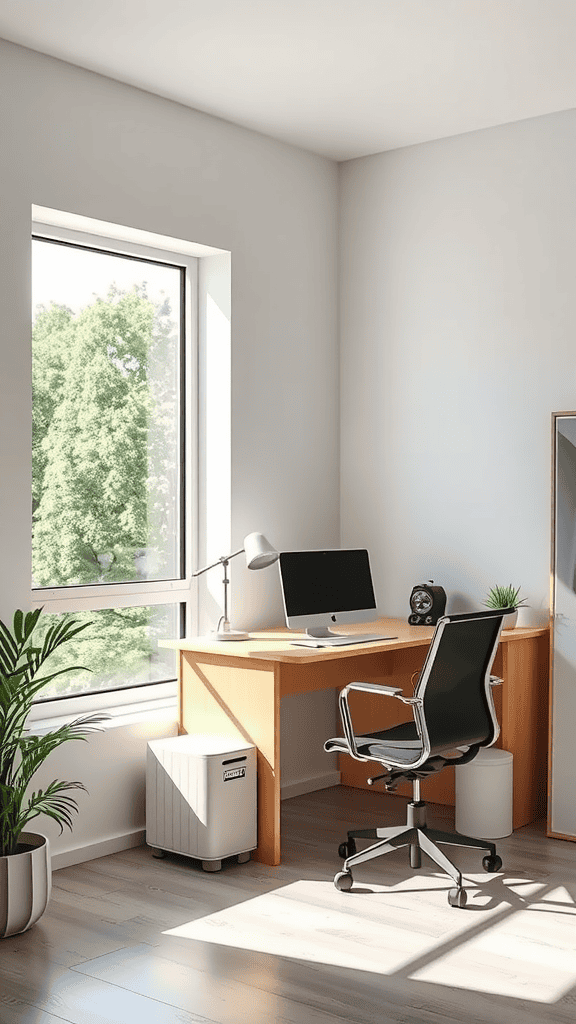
(229, 634)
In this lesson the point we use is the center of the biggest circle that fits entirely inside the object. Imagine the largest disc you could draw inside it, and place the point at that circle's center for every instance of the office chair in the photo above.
(453, 717)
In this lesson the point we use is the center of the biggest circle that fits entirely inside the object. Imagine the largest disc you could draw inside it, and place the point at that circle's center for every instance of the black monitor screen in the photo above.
(315, 582)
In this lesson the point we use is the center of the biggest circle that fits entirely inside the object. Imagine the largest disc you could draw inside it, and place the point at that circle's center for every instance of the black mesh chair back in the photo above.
(457, 703)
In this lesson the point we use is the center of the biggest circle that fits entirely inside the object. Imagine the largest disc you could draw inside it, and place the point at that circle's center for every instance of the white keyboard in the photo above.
(341, 641)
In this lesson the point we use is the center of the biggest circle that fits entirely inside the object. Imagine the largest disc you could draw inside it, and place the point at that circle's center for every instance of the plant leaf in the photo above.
(22, 676)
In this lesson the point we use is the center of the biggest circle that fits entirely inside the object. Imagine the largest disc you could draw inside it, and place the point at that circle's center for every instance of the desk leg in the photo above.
(239, 699)
(524, 723)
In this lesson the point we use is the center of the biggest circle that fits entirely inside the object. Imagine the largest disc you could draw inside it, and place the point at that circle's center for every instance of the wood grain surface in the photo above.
(127, 938)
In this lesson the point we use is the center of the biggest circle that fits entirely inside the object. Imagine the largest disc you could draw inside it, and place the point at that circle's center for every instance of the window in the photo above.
(112, 486)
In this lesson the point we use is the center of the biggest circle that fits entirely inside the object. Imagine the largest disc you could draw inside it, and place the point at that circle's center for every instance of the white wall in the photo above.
(458, 309)
(74, 141)
(110, 764)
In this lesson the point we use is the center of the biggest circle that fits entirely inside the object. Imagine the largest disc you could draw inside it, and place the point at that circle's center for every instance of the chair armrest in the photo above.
(390, 691)
(377, 688)
(387, 691)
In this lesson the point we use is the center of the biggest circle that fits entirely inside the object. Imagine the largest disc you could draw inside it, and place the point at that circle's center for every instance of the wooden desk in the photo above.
(235, 688)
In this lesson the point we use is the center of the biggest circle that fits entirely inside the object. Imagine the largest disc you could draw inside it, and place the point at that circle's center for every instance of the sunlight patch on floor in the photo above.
(515, 938)
(527, 955)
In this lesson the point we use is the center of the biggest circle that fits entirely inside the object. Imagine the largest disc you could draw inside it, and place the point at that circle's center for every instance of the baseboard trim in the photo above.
(310, 785)
(80, 854)
(101, 849)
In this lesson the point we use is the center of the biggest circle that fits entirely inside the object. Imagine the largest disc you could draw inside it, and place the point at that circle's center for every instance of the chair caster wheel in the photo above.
(343, 881)
(347, 849)
(457, 897)
(492, 863)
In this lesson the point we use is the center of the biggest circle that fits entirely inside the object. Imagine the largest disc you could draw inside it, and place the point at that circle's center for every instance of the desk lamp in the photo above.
(259, 553)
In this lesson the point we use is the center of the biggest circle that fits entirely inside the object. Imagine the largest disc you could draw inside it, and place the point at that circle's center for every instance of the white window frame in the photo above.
(181, 591)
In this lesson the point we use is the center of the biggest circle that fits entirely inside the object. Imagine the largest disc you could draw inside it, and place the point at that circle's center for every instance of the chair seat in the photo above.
(401, 743)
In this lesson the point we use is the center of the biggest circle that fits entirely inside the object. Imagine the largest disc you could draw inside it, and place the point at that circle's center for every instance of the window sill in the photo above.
(124, 707)
(122, 715)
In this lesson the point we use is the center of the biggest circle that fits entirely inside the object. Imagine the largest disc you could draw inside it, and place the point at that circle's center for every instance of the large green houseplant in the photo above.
(23, 675)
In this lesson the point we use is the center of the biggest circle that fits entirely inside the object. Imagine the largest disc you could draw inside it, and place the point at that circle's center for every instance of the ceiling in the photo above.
(343, 78)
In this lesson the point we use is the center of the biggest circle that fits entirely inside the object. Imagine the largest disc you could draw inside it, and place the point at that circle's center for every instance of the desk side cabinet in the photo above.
(201, 798)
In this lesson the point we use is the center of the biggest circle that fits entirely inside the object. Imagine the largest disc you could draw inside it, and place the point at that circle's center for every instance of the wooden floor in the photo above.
(128, 939)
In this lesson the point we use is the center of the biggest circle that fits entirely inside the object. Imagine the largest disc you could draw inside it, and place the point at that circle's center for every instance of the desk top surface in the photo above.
(275, 645)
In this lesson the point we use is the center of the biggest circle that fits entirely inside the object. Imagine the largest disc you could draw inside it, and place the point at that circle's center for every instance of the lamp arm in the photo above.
(223, 560)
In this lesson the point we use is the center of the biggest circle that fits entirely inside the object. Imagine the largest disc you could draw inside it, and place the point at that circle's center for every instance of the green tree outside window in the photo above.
(106, 466)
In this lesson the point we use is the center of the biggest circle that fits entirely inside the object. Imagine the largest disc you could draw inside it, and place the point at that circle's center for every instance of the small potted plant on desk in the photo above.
(506, 597)
(25, 869)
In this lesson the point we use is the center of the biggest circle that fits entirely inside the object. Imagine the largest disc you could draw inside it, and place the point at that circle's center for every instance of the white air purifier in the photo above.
(201, 798)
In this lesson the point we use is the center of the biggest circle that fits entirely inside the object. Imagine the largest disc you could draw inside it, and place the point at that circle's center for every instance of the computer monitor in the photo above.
(321, 589)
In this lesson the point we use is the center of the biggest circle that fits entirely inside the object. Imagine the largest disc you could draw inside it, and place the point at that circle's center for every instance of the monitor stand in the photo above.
(321, 632)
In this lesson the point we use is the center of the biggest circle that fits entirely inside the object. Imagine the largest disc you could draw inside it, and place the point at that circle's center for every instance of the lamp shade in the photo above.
(259, 551)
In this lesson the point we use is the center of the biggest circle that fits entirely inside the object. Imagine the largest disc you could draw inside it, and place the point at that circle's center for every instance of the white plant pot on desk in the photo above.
(25, 884)
(509, 621)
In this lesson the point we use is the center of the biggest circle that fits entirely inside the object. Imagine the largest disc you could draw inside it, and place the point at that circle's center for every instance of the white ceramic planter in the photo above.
(25, 885)
(509, 621)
